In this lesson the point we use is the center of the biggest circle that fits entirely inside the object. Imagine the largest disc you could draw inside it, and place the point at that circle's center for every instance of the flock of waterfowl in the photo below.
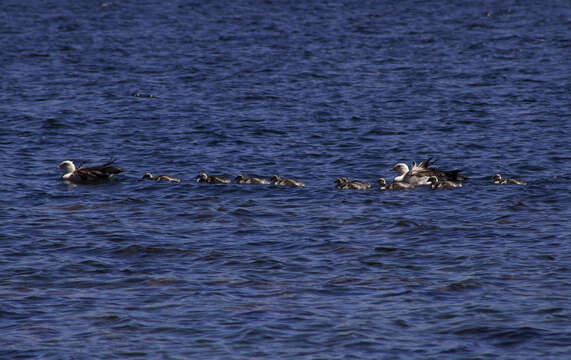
(420, 175)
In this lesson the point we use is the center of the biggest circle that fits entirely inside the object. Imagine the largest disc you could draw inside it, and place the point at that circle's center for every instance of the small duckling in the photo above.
(160, 178)
(242, 179)
(203, 178)
(277, 180)
(443, 184)
(394, 185)
(497, 179)
(344, 183)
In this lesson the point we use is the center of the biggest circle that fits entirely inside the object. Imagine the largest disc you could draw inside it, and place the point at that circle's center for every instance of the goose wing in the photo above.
(424, 169)
(100, 172)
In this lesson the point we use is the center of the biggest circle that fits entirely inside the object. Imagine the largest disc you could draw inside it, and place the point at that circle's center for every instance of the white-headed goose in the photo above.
(418, 175)
(91, 174)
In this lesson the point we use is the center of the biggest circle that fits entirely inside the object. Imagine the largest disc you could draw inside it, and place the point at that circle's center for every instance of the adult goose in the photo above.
(277, 180)
(83, 175)
(160, 178)
(242, 179)
(408, 176)
(419, 175)
(203, 178)
(497, 179)
(344, 183)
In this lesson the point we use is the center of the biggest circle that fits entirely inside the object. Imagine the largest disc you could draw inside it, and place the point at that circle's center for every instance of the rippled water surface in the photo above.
(312, 91)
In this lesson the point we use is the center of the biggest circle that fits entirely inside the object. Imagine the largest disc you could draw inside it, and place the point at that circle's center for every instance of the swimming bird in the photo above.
(412, 177)
(242, 179)
(88, 174)
(497, 179)
(443, 184)
(277, 180)
(344, 183)
(160, 178)
(203, 178)
(418, 175)
(402, 169)
(394, 185)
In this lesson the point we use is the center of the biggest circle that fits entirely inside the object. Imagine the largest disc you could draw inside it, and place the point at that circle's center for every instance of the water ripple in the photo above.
(311, 91)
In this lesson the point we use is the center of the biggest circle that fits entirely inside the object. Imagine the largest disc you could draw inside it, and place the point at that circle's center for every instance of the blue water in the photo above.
(312, 91)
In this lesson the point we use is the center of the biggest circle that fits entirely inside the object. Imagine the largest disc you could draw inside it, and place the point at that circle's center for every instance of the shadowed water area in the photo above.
(308, 90)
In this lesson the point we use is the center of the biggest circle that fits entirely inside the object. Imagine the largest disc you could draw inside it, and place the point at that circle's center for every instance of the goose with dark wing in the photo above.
(83, 175)
(419, 174)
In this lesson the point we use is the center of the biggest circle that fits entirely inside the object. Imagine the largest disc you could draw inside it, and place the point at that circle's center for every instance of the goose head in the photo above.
(147, 176)
(67, 166)
(496, 178)
(401, 168)
(275, 178)
(381, 181)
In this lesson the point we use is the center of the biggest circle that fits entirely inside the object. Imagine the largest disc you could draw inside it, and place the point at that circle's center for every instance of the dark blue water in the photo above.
(309, 90)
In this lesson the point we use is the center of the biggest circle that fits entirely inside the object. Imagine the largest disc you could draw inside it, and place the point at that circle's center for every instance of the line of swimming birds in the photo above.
(407, 178)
